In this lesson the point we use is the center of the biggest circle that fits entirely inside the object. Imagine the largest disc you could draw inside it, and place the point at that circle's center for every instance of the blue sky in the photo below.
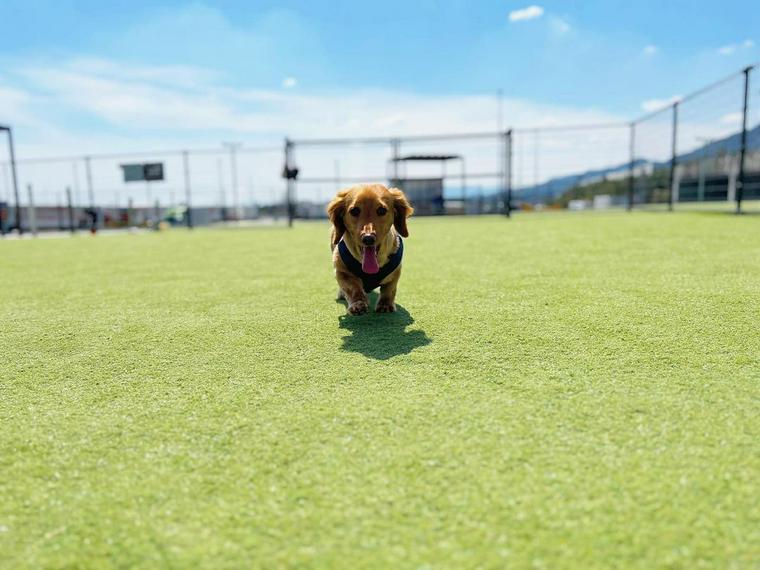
(90, 76)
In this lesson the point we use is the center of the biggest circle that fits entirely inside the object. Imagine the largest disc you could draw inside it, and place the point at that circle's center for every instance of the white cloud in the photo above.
(560, 26)
(174, 75)
(528, 13)
(277, 38)
(652, 105)
(11, 101)
(136, 99)
(136, 104)
(15, 106)
(731, 119)
(134, 108)
(289, 82)
(650, 50)
(733, 48)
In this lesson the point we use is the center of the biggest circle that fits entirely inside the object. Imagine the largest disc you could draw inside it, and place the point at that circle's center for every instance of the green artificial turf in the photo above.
(555, 391)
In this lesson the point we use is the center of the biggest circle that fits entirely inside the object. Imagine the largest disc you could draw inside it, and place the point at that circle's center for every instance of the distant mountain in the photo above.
(556, 186)
(730, 144)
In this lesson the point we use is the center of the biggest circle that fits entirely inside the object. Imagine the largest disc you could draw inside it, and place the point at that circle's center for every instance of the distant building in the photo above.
(579, 204)
(602, 201)
(425, 194)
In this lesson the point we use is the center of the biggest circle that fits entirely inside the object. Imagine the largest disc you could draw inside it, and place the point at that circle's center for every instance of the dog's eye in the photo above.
(381, 211)
(354, 211)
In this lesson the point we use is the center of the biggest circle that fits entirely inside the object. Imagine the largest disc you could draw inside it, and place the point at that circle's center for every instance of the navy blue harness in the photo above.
(371, 281)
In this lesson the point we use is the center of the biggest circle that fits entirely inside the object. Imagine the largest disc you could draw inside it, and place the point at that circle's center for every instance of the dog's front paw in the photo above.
(358, 307)
(385, 306)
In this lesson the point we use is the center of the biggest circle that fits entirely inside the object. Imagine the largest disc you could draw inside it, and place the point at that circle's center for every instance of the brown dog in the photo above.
(367, 221)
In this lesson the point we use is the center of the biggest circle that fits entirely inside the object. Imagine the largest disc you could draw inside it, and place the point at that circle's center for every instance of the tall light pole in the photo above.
(233, 148)
(13, 175)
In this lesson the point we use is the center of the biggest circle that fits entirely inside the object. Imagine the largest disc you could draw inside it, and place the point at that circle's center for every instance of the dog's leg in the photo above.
(387, 301)
(340, 296)
(353, 292)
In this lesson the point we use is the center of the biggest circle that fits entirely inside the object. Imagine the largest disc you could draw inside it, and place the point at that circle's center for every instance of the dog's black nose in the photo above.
(368, 239)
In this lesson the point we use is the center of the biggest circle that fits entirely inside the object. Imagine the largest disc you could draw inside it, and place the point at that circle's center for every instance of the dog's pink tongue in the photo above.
(369, 260)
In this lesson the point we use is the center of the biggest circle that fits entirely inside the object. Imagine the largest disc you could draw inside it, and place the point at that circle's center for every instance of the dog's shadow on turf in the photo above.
(381, 335)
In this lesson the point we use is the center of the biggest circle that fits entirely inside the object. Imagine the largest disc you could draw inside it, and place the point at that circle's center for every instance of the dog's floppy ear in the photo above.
(336, 209)
(402, 209)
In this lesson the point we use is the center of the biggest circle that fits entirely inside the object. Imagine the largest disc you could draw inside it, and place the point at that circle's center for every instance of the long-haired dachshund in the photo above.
(368, 221)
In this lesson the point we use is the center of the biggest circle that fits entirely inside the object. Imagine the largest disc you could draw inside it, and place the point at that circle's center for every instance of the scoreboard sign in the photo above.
(146, 172)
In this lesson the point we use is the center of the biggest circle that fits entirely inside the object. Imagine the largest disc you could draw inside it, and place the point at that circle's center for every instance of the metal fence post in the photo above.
(464, 186)
(12, 149)
(2, 212)
(632, 167)
(395, 144)
(186, 164)
(233, 148)
(88, 173)
(290, 181)
(508, 173)
(59, 212)
(32, 213)
(674, 157)
(222, 194)
(743, 149)
(71, 209)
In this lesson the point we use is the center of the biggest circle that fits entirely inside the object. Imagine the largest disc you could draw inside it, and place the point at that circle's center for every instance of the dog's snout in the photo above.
(368, 239)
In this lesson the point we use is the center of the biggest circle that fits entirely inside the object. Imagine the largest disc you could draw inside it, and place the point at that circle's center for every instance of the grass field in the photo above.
(555, 391)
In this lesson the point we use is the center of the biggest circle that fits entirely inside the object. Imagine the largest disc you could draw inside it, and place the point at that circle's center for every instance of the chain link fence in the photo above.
(560, 167)
(444, 174)
(689, 154)
(701, 151)
(198, 187)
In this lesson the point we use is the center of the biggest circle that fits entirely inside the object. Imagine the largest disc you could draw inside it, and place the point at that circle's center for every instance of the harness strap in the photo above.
(370, 281)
